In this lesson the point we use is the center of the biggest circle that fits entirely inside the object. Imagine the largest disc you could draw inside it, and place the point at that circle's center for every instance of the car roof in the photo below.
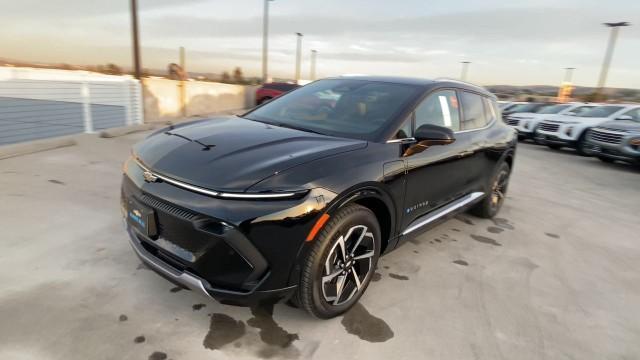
(422, 82)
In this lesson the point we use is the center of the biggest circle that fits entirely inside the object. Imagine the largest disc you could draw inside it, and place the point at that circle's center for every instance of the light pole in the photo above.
(265, 42)
(465, 70)
(298, 56)
(615, 27)
(568, 74)
(312, 70)
(135, 39)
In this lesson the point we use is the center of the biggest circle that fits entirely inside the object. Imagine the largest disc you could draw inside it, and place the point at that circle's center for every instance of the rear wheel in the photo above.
(340, 263)
(495, 195)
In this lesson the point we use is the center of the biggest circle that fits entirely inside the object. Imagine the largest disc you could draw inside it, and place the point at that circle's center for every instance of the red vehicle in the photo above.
(272, 90)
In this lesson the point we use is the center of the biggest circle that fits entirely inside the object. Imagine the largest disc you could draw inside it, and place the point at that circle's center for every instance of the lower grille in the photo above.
(606, 136)
(513, 122)
(549, 127)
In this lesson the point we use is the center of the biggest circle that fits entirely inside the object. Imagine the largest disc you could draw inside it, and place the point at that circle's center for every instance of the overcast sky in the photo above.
(508, 42)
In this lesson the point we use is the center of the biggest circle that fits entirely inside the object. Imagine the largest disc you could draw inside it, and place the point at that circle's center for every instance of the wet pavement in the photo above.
(554, 276)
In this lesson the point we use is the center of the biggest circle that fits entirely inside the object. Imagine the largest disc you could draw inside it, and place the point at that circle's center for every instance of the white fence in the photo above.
(41, 103)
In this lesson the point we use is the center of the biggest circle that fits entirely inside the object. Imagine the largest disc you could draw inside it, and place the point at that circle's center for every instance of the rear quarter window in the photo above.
(473, 110)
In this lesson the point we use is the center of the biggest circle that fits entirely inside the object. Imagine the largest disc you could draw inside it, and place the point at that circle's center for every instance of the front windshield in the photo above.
(553, 109)
(337, 107)
(581, 110)
(522, 108)
(602, 111)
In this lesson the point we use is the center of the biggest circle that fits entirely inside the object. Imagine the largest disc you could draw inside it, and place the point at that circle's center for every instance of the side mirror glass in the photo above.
(429, 135)
(624, 117)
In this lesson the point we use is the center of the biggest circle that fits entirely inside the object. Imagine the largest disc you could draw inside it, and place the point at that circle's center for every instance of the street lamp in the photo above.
(135, 39)
(568, 74)
(465, 69)
(265, 41)
(298, 56)
(312, 70)
(615, 27)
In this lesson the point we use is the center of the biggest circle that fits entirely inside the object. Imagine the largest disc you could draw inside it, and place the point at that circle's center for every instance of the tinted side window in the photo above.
(635, 114)
(473, 110)
(490, 110)
(440, 108)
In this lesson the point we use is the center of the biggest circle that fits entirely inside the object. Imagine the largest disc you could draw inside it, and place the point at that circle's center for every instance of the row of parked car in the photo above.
(608, 131)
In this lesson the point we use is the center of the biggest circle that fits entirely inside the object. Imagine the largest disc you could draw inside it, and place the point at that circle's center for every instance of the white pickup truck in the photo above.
(527, 123)
(570, 131)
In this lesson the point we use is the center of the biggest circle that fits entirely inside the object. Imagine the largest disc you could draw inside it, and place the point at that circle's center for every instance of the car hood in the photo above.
(624, 125)
(231, 153)
(567, 119)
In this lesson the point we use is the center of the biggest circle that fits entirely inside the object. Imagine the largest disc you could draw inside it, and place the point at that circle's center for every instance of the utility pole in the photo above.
(135, 38)
(265, 42)
(465, 70)
(298, 56)
(615, 27)
(312, 70)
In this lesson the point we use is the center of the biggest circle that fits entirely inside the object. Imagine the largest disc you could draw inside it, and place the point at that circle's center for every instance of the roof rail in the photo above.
(454, 80)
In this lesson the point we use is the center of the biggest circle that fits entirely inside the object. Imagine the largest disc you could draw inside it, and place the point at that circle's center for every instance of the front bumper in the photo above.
(614, 152)
(235, 251)
(548, 138)
(186, 279)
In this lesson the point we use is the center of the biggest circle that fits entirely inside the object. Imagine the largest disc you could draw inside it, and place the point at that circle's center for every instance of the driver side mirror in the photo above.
(624, 117)
(571, 113)
(428, 135)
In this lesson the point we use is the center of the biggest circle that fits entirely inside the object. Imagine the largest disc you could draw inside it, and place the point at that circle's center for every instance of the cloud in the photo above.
(79, 8)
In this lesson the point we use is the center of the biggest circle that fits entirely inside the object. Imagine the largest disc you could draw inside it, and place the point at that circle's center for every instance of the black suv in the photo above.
(298, 198)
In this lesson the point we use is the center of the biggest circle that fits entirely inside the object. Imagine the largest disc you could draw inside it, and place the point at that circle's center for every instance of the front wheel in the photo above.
(494, 197)
(340, 263)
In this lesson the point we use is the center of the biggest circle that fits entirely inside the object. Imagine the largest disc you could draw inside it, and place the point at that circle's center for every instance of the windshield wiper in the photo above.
(205, 147)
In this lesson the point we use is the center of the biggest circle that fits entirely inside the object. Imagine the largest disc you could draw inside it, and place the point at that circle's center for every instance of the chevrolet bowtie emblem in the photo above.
(149, 177)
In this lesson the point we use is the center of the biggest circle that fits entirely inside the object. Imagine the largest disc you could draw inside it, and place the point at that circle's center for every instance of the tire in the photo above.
(554, 146)
(581, 145)
(496, 192)
(605, 159)
(319, 283)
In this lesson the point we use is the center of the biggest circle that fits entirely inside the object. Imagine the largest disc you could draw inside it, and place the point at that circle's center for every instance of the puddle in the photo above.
(461, 262)
(359, 322)
(270, 332)
(197, 307)
(123, 317)
(503, 223)
(139, 339)
(376, 276)
(54, 181)
(176, 289)
(223, 330)
(157, 355)
(495, 229)
(463, 219)
(551, 235)
(398, 277)
(485, 240)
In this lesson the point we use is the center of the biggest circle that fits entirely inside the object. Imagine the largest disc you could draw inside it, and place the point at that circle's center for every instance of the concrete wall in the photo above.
(162, 98)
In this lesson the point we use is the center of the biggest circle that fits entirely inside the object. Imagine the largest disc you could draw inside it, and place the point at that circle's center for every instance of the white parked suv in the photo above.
(570, 131)
(527, 123)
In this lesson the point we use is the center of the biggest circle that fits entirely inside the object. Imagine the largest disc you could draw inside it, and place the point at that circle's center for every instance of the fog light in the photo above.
(569, 130)
(635, 142)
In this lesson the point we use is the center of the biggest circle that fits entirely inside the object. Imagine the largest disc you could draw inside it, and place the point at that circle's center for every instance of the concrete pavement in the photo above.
(554, 277)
